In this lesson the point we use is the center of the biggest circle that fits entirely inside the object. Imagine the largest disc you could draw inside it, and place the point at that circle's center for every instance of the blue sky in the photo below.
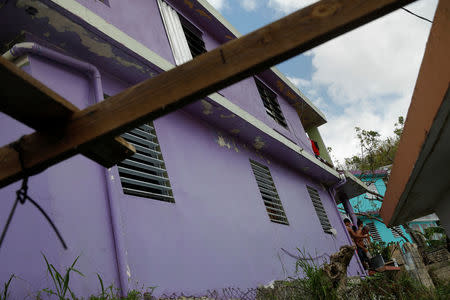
(364, 78)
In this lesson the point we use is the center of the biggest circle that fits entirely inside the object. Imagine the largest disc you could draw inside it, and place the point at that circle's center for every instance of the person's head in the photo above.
(347, 222)
(359, 223)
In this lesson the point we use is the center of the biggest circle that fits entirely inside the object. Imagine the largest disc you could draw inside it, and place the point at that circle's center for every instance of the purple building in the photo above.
(216, 190)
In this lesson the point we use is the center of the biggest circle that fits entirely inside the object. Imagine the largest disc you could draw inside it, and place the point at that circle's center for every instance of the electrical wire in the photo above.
(22, 197)
(420, 17)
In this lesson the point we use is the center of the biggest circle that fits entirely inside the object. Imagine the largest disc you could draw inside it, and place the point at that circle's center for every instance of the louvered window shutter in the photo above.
(175, 33)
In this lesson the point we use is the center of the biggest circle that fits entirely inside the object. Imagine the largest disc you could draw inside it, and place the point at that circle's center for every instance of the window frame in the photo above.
(141, 169)
(175, 25)
(269, 193)
(319, 208)
(194, 30)
(271, 104)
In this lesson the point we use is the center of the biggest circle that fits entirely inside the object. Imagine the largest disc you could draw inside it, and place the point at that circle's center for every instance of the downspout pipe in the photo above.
(338, 185)
(349, 209)
(90, 70)
(84, 67)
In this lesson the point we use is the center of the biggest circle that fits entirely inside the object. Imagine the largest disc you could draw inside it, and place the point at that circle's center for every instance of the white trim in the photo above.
(216, 14)
(119, 36)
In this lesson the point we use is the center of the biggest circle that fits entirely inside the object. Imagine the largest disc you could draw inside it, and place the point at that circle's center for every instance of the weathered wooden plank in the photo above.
(29, 101)
(207, 73)
(108, 151)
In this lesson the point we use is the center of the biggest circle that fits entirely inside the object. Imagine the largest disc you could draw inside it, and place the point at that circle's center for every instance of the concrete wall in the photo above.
(216, 234)
(73, 194)
(439, 272)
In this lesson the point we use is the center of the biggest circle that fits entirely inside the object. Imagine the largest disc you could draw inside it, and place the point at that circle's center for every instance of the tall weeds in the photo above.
(61, 283)
(4, 294)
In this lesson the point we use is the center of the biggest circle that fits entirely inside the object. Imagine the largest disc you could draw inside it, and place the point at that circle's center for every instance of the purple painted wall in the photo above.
(74, 195)
(140, 19)
(218, 224)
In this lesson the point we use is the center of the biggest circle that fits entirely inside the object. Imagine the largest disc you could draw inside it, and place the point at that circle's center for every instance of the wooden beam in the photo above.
(198, 78)
(29, 101)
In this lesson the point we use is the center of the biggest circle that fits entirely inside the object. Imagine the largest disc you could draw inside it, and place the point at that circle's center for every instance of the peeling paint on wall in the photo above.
(189, 3)
(230, 143)
(230, 116)
(203, 13)
(223, 142)
(235, 145)
(284, 90)
(207, 107)
(62, 24)
(128, 271)
(258, 143)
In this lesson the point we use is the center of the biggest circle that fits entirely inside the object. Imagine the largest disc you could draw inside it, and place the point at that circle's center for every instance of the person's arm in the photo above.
(351, 232)
(359, 234)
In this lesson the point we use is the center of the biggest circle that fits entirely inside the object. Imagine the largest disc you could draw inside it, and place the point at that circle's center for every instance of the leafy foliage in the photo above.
(435, 243)
(61, 283)
(375, 151)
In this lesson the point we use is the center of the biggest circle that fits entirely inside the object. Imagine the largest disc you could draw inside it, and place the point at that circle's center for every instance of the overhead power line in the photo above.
(420, 17)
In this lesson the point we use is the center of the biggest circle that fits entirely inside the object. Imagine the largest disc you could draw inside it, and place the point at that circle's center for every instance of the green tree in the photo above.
(375, 151)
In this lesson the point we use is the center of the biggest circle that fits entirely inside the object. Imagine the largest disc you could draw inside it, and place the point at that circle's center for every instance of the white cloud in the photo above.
(311, 90)
(218, 4)
(288, 6)
(248, 5)
(339, 132)
(368, 75)
(300, 82)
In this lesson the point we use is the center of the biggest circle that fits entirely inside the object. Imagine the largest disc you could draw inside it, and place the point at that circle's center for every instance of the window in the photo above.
(374, 232)
(184, 38)
(395, 231)
(270, 102)
(144, 174)
(269, 193)
(193, 37)
(318, 205)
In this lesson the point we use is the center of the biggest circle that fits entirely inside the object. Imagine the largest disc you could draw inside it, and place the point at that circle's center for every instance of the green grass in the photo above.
(60, 282)
(4, 294)
(312, 284)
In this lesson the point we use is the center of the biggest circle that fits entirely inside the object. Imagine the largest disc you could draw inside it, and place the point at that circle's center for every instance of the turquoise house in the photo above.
(366, 208)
